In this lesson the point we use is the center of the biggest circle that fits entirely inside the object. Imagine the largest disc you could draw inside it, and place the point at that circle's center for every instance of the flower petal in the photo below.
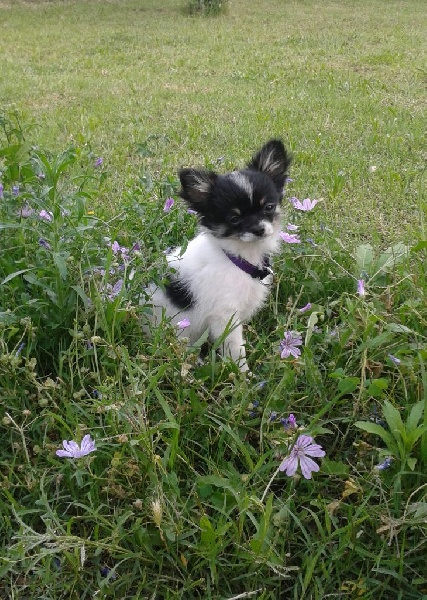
(168, 204)
(314, 450)
(290, 238)
(308, 466)
(71, 446)
(289, 465)
(303, 441)
(87, 445)
(183, 323)
(285, 352)
(64, 453)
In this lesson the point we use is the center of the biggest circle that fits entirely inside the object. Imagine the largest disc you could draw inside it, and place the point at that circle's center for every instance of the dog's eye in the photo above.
(235, 219)
(269, 207)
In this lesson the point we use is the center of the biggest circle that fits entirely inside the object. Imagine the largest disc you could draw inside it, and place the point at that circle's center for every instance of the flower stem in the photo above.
(269, 483)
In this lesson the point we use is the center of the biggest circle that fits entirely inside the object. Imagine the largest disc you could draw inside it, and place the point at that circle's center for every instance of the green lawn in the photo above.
(342, 82)
(182, 498)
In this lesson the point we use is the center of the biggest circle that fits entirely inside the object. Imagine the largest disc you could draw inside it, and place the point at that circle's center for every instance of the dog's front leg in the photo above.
(234, 346)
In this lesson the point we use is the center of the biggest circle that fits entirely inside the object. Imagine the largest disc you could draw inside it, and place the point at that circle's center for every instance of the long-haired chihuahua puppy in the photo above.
(222, 278)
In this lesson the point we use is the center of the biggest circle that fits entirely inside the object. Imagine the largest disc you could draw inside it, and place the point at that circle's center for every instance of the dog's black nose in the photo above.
(258, 230)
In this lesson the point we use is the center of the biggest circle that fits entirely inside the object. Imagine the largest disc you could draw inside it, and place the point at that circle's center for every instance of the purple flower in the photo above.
(291, 227)
(15, 190)
(290, 238)
(288, 346)
(183, 324)
(45, 215)
(191, 211)
(384, 465)
(41, 175)
(44, 244)
(26, 211)
(73, 450)
(1, 190)
(115, 247)
(107, 572)
(255, 404)
(115, 289)
(289, 423)
(19, 350)
(273, 416)
(306, 205)
(300, 453)
(305, 308)
(261, 385)
(168, 204)
(394, 359)
(361, 287)
(136, 247)
(292, 421)
(99, 161)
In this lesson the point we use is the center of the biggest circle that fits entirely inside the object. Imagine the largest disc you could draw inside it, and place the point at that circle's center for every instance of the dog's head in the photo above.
(244, 204)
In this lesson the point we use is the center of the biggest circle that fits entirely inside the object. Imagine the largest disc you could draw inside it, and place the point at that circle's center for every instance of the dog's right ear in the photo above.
(274, 160)
(197, 187)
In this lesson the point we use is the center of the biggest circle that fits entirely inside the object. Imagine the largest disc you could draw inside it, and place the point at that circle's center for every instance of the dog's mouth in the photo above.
(251, 237)
(262, 230)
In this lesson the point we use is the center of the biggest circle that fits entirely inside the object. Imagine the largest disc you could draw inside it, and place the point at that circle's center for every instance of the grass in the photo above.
(195, 89)
(182, 498)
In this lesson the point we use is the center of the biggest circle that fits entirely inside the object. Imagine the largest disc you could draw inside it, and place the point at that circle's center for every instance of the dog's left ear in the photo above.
(196, 187)
(274, 161)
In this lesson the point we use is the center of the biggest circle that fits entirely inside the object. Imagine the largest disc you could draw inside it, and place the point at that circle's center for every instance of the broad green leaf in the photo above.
(393, 418)
(15, 274)
(333, 467)
(420, 246)
(386, 437)
(208, 534)
(378, 340)
(347, 385)
(13, 226)
(411, 462)
(61, 265)
(166, 408)
(413, 436)
(377, 387)
(414, 416)
(337, 374)
(398, 328)
(310, 327)
(82, 295)
(364, 257)
(391, 257)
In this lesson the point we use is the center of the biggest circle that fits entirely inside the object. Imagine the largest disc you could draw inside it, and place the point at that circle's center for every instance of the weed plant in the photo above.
(206, 7)
(181, 496)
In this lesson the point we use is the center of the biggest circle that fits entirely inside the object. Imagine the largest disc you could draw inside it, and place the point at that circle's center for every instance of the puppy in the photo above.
(222, 278)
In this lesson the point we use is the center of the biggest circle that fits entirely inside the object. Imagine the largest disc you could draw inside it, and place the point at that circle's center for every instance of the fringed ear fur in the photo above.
(196, 186)
(274, 161)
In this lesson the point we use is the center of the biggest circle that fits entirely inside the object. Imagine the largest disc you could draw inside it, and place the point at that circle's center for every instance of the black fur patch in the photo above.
(179, 294)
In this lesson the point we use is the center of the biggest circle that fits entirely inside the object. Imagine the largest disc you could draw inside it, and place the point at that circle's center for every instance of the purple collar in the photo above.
(252, 270)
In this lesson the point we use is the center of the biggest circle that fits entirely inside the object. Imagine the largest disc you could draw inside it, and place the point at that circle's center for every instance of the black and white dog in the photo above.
(222, 278)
